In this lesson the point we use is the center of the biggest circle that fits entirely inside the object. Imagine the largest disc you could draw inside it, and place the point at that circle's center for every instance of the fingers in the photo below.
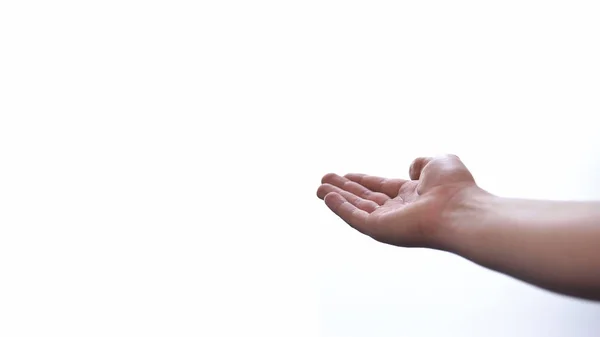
(390, 187)
(352, 215)
(354, 188)
(417, 167)
(363, 204)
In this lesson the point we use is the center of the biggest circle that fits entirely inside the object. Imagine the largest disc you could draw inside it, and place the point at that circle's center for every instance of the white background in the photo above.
(159, 161)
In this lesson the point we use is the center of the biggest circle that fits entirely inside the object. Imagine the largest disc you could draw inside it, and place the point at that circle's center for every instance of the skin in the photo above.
(551, 244)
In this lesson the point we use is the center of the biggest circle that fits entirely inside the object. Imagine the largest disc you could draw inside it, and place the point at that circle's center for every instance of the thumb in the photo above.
(417, 167)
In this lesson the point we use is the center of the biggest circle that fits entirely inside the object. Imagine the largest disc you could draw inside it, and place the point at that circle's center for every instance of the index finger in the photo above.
(390, 187)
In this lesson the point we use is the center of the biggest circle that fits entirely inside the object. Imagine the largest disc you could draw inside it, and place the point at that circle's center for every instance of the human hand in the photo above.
(409, 213)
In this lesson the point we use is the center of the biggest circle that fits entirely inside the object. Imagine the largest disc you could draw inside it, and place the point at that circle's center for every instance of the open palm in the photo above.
(397, 211)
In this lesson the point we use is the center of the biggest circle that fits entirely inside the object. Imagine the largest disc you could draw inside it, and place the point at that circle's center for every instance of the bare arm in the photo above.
(552, 244)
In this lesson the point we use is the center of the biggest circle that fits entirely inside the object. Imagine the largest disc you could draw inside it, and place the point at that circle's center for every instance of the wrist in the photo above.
(460, 224)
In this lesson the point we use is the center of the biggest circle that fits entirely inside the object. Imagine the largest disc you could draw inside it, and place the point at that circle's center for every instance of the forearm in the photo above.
(554, 245)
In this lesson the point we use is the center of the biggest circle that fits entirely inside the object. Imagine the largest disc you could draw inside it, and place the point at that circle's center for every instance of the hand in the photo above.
(409, 213)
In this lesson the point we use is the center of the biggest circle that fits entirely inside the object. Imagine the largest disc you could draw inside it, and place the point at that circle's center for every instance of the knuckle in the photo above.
(379, 198)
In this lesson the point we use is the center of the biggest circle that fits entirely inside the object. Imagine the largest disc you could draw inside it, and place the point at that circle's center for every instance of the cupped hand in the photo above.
(409, 213)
